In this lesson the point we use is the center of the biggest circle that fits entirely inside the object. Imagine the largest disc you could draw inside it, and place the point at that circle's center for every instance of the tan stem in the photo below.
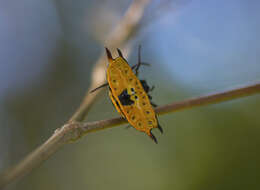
(122, 33)
(178, 106)
(74, 130)
(119, 37)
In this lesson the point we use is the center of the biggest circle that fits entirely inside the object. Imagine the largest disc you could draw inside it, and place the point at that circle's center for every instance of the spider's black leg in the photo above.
(120, 53)
(139, 63)
(159, 126)
(145, 86)
(153, 137)
(142, 63)
(139, 60)
(109, 55)
(153, 104)
(103, 85)
(147, 89)
(152, 88)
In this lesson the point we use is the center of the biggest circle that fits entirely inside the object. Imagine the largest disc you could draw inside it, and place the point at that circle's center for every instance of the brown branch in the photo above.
(210, 99)
(122, 33)
(74, 130)
(88, 127)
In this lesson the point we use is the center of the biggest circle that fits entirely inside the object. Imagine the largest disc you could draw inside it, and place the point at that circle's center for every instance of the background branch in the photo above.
(74, 130)
(174, 107)
(123, 32)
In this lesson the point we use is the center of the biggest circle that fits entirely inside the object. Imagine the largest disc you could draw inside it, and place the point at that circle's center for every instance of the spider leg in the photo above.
(160, 128)
(101, 86)
(153, 104)
(142, 63)
(147, 89)
(139, 60)
(120, 53)
(145, 86)
(152, 88)
(153, 137)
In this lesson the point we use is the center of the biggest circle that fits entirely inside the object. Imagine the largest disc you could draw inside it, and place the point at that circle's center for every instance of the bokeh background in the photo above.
(47, 52)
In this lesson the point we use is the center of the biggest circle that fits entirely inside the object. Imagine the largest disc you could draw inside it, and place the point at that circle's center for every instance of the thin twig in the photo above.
(75, 130)
(122, 33)
(88, 127)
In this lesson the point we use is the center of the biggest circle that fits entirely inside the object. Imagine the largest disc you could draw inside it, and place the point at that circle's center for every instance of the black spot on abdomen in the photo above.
(124, 98)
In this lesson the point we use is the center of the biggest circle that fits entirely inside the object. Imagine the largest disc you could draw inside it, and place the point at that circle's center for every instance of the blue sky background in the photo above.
(211, 44)
(205, 44)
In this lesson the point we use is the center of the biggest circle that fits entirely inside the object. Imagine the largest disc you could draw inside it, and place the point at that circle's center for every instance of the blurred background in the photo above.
(47, 52)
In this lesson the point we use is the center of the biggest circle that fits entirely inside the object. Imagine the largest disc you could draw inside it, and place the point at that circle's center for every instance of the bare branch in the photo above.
(177, 106)
(118, 38)
(75, 130)
(210, 99)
